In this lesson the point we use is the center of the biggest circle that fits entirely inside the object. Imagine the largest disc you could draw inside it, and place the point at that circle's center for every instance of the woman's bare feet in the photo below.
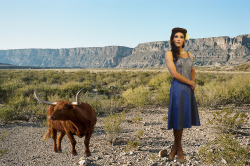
(180, 155)
(172, 153)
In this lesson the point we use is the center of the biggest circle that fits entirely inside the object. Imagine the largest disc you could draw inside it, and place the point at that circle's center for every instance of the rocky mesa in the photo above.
(213, 51)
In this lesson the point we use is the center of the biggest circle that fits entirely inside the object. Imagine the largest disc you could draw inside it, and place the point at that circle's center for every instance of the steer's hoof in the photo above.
(59, 151)
(87, 154)
(74, 153)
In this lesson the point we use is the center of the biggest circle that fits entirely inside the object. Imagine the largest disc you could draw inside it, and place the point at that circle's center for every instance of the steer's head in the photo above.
(62, 110)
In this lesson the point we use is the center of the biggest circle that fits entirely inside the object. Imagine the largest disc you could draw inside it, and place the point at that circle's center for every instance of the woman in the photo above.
(182, 111)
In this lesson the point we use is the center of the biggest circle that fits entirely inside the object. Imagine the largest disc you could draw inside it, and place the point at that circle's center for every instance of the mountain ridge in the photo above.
(212, 51)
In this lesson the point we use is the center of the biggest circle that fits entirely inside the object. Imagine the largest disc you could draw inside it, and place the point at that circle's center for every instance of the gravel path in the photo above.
(25, 147)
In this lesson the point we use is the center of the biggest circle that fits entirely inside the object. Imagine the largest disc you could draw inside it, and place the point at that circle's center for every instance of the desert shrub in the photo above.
(214, 93)
(16, 109)
(162, 93)
(136, 119)
(207, 95)
(70, 89)
(165, 118)
(224, 150)
(157, 80)
(102, 104)
(239, 90)
(3, 135)
(132, 145)
(133, 83)
(104, 91)
(112, 125)
(9, 89)
(160, 84)
(169, 79)
(203, 79)
(6, 113)
(54, 77)
(110, 105)
(228, 120)
(139, 96)
(139, 134)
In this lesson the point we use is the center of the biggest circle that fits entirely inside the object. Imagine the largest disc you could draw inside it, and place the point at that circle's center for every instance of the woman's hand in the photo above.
(192, 85)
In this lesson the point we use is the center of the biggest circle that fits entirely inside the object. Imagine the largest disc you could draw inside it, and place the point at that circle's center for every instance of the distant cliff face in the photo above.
(91, 57)
(213, 51)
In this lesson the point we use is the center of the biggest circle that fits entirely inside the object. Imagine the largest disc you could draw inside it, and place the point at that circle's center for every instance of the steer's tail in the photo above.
(47, 136)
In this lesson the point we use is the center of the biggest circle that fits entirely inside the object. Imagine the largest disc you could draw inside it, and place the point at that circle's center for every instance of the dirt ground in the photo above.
(25, 147)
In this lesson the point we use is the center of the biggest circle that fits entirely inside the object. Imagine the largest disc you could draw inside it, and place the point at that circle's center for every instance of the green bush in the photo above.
(132, 145)
(235, 90)
(112, 125)
(139, 96)
(228, 120)
(224, 150)
(157, 80)
(162, 93)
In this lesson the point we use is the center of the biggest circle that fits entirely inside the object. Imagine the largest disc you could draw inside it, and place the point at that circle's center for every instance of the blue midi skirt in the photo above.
(182, 110)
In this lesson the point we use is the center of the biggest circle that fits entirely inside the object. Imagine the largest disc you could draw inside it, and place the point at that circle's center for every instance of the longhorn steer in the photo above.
(71, 118)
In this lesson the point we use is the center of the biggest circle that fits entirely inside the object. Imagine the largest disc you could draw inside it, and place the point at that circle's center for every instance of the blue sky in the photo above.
(98, 23)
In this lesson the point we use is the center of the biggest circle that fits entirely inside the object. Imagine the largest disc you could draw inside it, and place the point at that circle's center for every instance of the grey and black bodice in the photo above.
(184, 66)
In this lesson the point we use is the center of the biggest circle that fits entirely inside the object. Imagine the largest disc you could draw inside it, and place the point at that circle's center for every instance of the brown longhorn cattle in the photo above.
(71, 118)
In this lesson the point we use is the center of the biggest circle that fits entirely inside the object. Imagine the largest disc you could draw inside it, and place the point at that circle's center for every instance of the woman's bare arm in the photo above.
(193, 70)
(192, 74)
(172, 69)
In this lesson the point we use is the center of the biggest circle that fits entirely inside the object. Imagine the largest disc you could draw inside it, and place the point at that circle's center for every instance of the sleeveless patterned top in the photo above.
(184, 66)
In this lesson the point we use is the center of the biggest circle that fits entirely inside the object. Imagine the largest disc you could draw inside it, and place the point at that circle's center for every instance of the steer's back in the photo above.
(85, 114)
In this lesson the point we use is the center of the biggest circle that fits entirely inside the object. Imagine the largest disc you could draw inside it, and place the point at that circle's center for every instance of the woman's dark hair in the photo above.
(175, 49)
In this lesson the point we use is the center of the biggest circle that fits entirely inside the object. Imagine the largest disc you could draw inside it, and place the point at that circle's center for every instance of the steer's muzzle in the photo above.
(51, 118)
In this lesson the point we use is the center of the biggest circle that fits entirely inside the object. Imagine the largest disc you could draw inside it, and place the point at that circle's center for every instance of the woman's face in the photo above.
(179, 39)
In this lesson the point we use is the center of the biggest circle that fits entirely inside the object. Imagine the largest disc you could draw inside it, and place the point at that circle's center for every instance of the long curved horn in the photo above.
(42, 101)
(77, 98)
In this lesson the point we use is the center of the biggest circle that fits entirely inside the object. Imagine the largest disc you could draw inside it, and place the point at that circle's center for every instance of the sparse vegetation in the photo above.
(224, 150)
(222, 90)
(165, 118)
(153, 157)
(112, 125)
(138, 96)
(227, 120)
(139, 134)
(132, 145)
(2, 138)
(136, 119)
(114, 91)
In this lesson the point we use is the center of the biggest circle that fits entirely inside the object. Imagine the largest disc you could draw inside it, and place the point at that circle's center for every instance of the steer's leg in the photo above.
(73, 142)
(86, 143)
(59, 138)
(54, 133)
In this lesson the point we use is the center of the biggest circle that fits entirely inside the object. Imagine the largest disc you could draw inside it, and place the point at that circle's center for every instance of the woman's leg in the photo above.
(173, 149)
(177, 142)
